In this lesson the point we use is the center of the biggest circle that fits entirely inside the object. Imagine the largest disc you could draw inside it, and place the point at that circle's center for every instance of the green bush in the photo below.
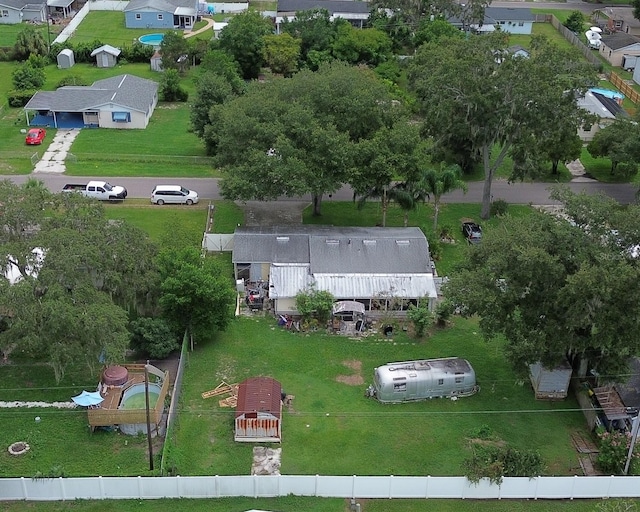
(153, 337)
(495, 462)
(20, 98)
(314, 304)
(71, 80)
(613, 451)
(435, 247)
(420, 317)
(443, 312)
(499, 208)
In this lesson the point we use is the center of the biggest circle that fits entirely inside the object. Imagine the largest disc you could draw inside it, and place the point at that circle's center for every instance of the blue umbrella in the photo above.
(86, 398)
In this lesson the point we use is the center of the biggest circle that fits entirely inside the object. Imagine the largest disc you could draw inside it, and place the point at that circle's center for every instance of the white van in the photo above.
(173, 194)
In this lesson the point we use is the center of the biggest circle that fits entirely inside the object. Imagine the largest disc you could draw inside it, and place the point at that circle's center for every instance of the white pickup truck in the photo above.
(98, 190)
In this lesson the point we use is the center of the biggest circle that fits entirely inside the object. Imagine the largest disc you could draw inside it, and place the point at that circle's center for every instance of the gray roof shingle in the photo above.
(331, 249)
(332, 6)
(619, 40)
(127, 91)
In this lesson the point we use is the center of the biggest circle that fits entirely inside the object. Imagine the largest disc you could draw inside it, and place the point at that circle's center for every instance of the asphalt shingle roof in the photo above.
(331, 249)
(128, 91)
(619, 40)
(332, 6)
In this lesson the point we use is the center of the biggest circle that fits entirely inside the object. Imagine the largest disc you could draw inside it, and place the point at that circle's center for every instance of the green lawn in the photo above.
(446, 255)
(108, 27)
(357, 435)
(161, 221)
(298, 504)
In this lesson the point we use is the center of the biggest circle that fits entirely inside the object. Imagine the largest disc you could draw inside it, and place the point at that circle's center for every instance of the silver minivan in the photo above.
(173, 194)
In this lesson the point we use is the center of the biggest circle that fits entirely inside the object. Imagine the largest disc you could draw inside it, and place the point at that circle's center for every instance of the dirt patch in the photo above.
(270, 213)
(355, 379)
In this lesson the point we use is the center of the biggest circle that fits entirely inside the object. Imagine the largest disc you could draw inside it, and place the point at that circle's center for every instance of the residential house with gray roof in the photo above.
(606, 110)
(506, 19)
(161, 14)
(381, 268)
(617, 19)
(123, 101)
(356, 12)
(17, 11)
(614, 47)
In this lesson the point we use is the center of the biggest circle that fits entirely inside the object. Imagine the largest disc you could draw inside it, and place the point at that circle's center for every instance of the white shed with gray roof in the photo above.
(106, 56)
(382, 268)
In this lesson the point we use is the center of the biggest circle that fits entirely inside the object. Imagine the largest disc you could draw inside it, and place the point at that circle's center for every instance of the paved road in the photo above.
(207, 188)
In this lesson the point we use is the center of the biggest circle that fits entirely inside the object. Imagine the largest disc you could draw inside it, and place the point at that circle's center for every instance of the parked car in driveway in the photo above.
(472, 232)
(35, 136)
(173, 194)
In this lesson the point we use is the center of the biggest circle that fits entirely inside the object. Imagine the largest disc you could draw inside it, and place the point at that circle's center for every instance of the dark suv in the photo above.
(472, 232)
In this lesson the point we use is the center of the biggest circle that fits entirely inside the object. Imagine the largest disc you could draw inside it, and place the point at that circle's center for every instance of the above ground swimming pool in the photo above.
(151, 39)
(134, 398)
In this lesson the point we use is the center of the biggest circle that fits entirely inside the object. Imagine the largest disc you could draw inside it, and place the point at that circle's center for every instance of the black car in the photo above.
(472, 232)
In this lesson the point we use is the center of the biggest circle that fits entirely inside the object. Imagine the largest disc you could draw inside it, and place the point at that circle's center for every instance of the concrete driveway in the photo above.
(52, 160)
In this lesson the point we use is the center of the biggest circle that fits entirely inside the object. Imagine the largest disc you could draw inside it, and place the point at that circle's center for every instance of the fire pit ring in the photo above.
(19, 448)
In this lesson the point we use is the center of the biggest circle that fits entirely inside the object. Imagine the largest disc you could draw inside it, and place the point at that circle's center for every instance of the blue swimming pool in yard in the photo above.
(151, 39)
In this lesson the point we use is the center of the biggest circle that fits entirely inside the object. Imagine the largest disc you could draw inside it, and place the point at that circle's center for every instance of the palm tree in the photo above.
(408, 195)
(439, 181)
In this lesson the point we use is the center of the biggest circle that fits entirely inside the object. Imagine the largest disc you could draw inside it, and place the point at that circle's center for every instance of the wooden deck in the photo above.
(108, 412)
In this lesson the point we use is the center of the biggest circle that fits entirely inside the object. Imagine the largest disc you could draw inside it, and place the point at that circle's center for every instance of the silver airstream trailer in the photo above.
(417, 380)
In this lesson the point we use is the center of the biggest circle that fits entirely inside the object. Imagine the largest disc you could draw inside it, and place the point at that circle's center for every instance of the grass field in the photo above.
(298, 504)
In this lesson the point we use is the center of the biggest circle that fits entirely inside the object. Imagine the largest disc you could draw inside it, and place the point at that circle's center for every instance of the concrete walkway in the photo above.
(52, 160)
(578, 172)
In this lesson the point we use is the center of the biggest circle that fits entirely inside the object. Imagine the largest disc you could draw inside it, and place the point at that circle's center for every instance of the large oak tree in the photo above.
(296, 136)
(556, 287)
(474, 89)
(77, 273)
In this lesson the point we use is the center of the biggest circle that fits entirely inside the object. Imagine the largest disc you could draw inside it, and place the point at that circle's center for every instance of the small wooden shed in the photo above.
(550, 384)
(258, 416)
(106, 56)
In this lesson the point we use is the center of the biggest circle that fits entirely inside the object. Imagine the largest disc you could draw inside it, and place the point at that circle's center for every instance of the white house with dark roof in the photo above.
(607, 110)
(17, 11)
(123, 101)
(356, 12)
(614, 47)
(381, 268)
(161, 14)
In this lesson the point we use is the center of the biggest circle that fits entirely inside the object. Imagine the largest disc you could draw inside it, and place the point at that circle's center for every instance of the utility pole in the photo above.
(146, 396)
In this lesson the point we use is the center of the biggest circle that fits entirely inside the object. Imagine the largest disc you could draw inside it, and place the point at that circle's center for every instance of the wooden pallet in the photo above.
(221, 389)
(231, 401)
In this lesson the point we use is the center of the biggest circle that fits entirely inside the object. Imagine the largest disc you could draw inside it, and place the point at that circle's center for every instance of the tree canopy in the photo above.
(473, 90)
(76, 273)
(558, 287)
(618, 142)
(243, 38)
(297, 136)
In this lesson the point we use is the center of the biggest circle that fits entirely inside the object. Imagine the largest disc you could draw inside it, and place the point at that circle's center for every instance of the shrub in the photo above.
(72, 80)
(420, 317)
(312, 303)
(443, 312)
(499, 207)
(614, 449)
(18, 99)
(495, 462)
(153, 337)
(435, 247)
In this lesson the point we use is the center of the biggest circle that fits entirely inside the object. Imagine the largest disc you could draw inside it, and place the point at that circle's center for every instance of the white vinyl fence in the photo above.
(100, 488)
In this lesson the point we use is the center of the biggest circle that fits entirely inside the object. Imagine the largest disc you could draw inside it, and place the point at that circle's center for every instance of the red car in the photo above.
(35, 136)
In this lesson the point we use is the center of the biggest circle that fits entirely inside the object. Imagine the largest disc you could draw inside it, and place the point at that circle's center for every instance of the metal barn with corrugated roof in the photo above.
(258, 416)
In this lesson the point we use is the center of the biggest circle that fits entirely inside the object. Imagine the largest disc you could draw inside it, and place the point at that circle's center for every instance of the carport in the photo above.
(59, 8)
